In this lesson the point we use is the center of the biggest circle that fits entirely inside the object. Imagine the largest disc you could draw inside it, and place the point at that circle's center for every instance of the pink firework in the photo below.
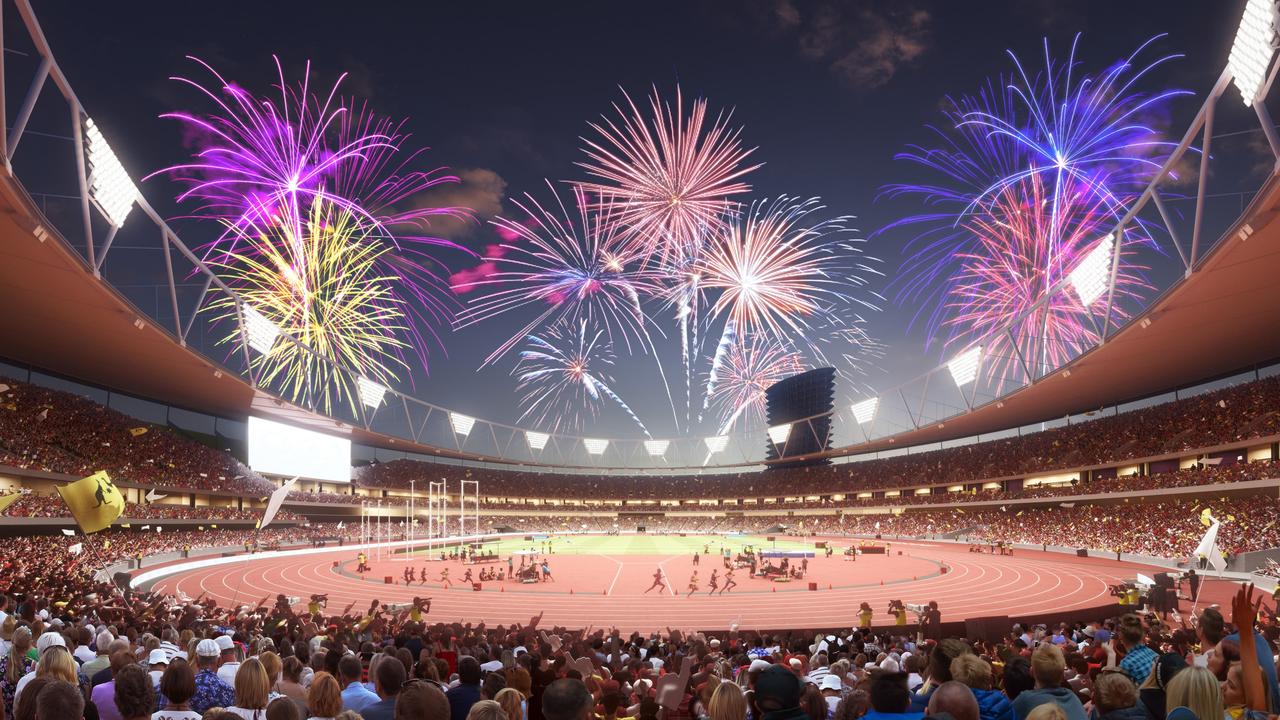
(671, 178)
(750, 367)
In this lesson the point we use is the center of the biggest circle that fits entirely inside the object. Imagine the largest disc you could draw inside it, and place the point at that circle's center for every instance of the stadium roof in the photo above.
(58, 317)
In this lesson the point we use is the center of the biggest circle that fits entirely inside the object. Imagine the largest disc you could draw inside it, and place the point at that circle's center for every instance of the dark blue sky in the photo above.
(501, 92)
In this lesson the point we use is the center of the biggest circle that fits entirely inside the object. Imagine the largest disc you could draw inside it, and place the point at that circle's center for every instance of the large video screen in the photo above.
(282, 449)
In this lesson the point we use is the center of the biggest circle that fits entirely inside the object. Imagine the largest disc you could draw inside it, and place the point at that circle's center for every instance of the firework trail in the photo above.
(1081, 145)
(303, 158)
(778, 272)
(326, 289)
(563, 373)
(750, 367)
(572, 269)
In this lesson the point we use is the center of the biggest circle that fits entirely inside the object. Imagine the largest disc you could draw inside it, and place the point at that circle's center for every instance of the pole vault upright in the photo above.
(469, 508)
(437, 509)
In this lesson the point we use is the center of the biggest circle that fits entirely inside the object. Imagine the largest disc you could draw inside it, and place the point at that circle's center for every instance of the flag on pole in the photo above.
(95, 501)
(273, 504)
(1208, 547)
(7, 500)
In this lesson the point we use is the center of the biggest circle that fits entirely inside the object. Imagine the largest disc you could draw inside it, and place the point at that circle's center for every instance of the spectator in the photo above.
(1048, 667)
(14, 665)
(324, 699)
(59, 701)
(940, 659)
(211, 690)
(486, 710)
(177, 686)
(290, 684)
(1138, 658)
(1115, 697)
(890, 697)
(1197, 689)
(252, 690)
(135, 695)
(24, 708)
(566, 699)
(955, 699)
(975, 674)
(355, 696)
(512, 703)
(388, 681)
(467, 692)
(104, 694)
(421, 700)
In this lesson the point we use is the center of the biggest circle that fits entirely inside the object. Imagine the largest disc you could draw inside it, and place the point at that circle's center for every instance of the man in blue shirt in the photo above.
(467, 693)
(211, 690)
(388, 679)
(355, 696)
(890, 698)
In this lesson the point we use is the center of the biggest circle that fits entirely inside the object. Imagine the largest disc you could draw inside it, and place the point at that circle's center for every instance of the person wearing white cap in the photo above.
(831, 687)
(211, 690)
(158, 660)
(228, 662)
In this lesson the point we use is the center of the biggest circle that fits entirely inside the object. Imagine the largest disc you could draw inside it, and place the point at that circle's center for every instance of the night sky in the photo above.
(502, 92)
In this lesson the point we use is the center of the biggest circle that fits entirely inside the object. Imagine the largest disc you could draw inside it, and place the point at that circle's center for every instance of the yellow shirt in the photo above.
(864, 618)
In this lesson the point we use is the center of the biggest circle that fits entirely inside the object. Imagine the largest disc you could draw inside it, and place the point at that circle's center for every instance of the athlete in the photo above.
(659, 581)
(444, 578)
(728, 582)
(693, 583)
(864, 615)
(696, 557)
(713, 582)
(362, 563)
(466, 577)
(546, 571)
(424, 574)
(408, 576)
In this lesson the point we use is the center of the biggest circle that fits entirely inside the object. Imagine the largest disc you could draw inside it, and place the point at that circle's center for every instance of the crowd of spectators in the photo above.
(1230, 415)
(36, 505)
(54, 431)
(71, 648)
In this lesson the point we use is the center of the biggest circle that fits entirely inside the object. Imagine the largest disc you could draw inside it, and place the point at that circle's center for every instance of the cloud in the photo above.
(862, 45)
(481, 191)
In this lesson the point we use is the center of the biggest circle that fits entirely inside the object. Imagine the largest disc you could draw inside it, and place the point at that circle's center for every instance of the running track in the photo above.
(605, 590)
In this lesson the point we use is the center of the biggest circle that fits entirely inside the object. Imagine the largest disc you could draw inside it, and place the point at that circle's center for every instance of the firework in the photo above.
(290, 168)
(326, 289)
(1082, 147)
(570, 265)
(1017, 264)
(750, 367)
(669, 180)
(563, 374)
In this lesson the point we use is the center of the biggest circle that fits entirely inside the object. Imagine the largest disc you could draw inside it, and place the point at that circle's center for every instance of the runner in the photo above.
(713, 582)
(466, 577)
(424, 574)
(444, 578)
(362, 565)
(728, 582)
(658, 582)
(546, 571)
(408, 576)
(693, 583)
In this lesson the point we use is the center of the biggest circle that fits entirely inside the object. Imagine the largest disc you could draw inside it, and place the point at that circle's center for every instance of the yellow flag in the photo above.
(137, 431)
(7, 500)
(95, 501)
(1206, 517)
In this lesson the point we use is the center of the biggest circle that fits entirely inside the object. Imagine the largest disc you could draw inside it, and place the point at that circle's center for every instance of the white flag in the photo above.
(341, 524)
(1208, 547)
(273, 504)
(67, 532)
(76, 549)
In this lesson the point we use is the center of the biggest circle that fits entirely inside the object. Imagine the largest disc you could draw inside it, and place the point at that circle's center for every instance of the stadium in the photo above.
(300, 418)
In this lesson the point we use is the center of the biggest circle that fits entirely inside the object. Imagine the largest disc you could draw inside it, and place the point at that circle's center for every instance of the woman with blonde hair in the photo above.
(1197, 689)
(1049, 711)
(512, 703)
(13, 665)
(486, 710)
(727, 703)
(253, 690)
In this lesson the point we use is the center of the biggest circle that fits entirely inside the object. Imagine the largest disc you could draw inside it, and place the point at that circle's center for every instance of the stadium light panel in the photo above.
(964, 367)
(537, 440)
(717, 443)
(462, 424)
(109, 184)
(261, 331)
(865, 411)
(1253, 48)
(779, 433)
(595, 446)
(371, 393)
(656, 448)
(1089, 278)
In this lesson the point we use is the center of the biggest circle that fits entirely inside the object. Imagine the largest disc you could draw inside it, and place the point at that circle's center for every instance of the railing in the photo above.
(76, 218)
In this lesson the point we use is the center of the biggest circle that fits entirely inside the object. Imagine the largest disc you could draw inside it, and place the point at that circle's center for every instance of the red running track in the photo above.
(609, 590)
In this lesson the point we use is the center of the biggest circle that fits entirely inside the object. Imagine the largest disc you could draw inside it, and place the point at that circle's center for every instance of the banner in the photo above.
(95, 502)
(137, 431)
(273, 505)
(1208, 547)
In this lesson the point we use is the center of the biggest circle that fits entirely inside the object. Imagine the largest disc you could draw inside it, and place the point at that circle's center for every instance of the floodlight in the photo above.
(595, 446)
(1090, 277)
(462, 424)
(370, 392)
(779, 433)
(964, 367)
(717, 443)
(865, 411)
(1253, 48)
(109, 184)
(261, 331)
(537, 440)
(656, 448)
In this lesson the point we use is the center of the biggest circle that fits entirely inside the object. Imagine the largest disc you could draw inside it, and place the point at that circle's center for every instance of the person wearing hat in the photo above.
(831, 687)
(211, 690)
(158, 660)
(228, 662)
(777, 694)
